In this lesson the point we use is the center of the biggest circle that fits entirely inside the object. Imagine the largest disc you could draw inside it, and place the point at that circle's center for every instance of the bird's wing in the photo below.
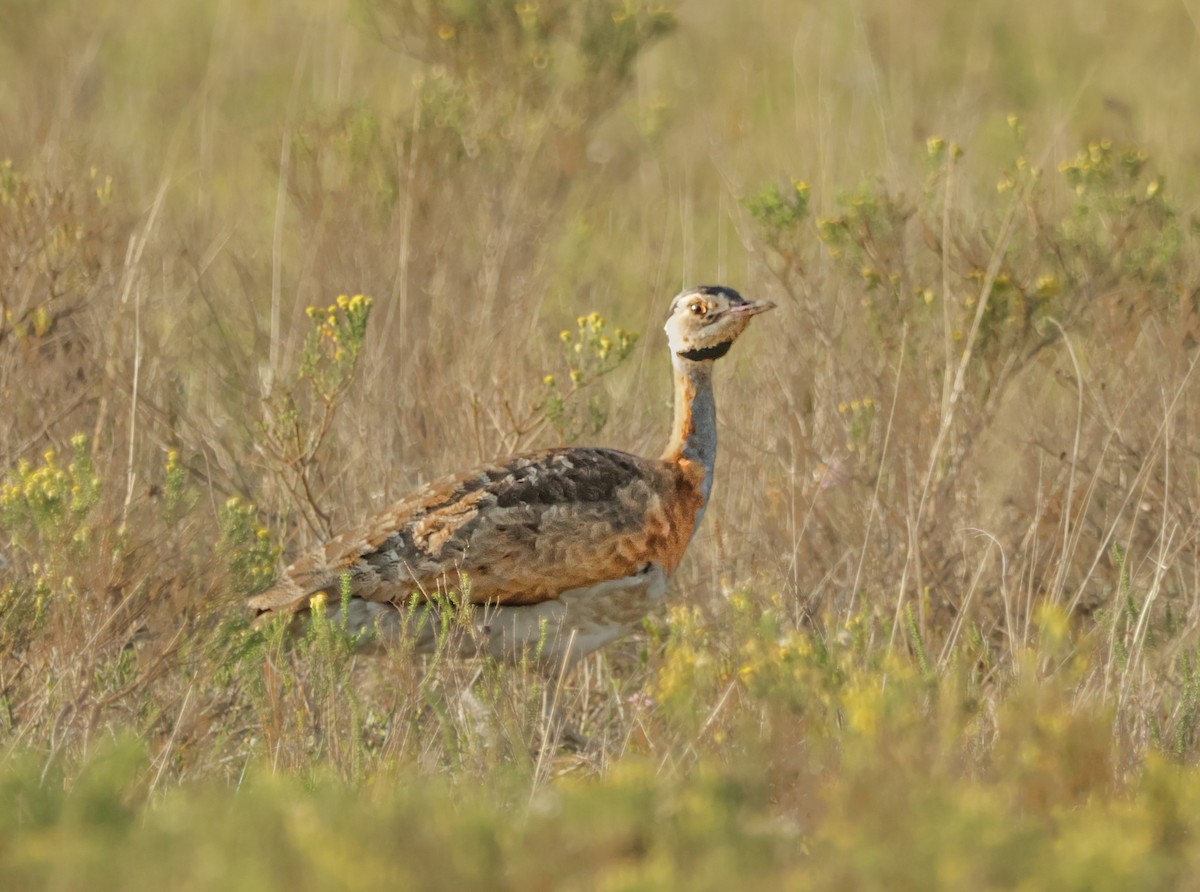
(521, 532)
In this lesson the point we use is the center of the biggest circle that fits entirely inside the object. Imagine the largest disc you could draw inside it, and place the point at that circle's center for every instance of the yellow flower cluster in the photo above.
(104, 189)
(48, 496)
(856, 405)
(1025, 171)
(341, 325)
(936, 147)
(590, 348)
(43, 487)
(1048, 286)
(1099, 164)
(343, 304)
(38, 324)
(589, 352)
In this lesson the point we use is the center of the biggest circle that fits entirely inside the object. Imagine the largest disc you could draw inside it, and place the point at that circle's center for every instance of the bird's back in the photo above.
(521, 532)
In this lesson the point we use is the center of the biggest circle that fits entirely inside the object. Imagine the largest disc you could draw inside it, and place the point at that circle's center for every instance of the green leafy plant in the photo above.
(247, 547)
(300, 412)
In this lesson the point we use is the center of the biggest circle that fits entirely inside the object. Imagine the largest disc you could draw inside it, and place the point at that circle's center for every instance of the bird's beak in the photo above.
(751, 308)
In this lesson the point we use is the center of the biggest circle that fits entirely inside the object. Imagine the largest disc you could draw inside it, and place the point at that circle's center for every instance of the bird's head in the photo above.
(705, 321)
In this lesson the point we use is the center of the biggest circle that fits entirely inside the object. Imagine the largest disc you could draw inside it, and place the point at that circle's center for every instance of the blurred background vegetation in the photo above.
(940, 627)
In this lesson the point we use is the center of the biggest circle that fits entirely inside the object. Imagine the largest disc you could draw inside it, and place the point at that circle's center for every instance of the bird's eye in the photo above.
(697, 309)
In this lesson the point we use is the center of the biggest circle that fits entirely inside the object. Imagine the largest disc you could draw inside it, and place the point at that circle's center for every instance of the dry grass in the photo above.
(942, 618)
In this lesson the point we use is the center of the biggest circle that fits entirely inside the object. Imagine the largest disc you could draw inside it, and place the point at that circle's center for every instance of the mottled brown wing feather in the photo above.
(522, 531)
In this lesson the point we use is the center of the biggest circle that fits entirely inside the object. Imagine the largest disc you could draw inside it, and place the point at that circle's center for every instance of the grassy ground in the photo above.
(940, 626)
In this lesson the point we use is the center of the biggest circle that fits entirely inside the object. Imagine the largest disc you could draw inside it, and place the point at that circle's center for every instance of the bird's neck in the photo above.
(694, 430)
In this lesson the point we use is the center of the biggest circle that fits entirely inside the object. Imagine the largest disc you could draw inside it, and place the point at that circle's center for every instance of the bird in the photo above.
(543, 557)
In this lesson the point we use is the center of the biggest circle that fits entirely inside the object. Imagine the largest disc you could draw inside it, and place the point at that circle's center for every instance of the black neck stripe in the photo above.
(714, 352)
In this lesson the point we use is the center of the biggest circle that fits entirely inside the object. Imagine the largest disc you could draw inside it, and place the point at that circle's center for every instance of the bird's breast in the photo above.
(674, 520)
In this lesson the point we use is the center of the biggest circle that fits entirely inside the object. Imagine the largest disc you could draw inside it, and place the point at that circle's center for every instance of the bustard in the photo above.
(561, 551)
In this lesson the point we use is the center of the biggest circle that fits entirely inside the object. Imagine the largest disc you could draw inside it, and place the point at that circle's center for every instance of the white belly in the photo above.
(576, 623)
